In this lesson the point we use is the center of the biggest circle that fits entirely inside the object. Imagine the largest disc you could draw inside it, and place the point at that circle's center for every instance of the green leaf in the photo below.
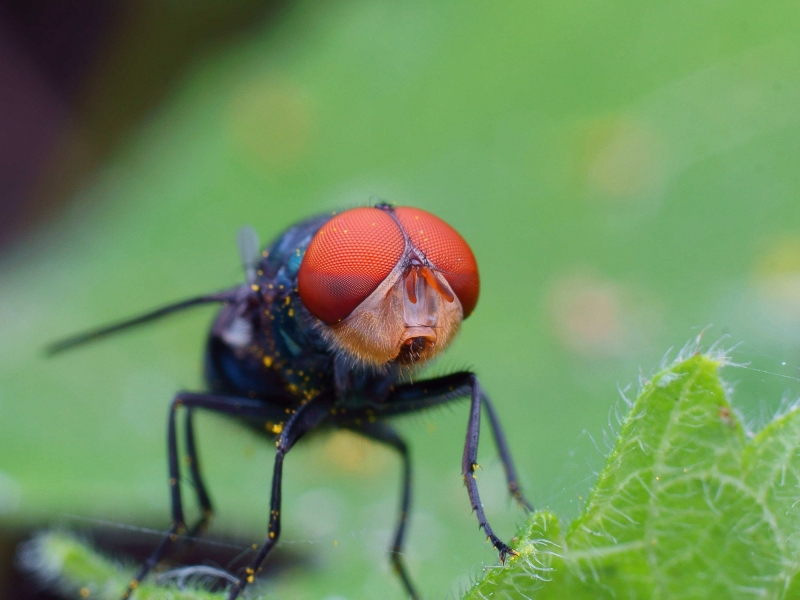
(684, 507)
(66, 564)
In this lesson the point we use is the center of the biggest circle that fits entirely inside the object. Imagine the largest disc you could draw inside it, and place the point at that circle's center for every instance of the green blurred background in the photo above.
(627, 174)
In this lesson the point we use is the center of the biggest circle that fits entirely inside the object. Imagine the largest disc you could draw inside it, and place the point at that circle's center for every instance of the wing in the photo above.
(249, 251)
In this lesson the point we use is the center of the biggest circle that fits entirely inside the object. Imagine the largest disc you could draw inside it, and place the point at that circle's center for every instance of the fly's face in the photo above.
(389, 284)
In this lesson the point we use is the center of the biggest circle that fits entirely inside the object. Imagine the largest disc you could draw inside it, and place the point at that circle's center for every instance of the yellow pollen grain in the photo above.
(272, 535)
(268, 361)
(291, 312)
(250, 579)
(287, 301)
(254, 287)
(85, 592)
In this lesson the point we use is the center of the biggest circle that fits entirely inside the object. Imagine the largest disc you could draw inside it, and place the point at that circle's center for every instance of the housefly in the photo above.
(335, 316)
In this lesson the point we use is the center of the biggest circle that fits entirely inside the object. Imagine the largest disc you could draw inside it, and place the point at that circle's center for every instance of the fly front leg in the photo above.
(220, 404)
(469, 465)
(434, 392)
(505, 454)
(418, 396)
(306, 418)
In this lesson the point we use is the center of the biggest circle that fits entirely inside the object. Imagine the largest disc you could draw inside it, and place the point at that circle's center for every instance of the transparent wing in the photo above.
(249, 251)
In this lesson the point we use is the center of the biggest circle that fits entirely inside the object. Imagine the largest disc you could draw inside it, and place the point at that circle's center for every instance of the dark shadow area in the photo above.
(75, 78)
(134, 547)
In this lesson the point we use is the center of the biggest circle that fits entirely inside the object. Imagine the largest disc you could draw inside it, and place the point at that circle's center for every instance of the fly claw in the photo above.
(506, 552)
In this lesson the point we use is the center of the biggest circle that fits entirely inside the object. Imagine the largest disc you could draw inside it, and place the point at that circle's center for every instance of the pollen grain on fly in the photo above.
(275, 428)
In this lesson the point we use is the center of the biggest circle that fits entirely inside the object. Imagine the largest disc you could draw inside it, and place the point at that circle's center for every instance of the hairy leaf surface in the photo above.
(684, 508)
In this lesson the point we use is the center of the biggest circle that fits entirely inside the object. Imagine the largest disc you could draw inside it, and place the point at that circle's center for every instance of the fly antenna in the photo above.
(96, 334)
(249, 251)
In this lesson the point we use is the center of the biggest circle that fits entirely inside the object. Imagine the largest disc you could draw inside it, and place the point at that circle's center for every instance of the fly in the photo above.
(334, 317)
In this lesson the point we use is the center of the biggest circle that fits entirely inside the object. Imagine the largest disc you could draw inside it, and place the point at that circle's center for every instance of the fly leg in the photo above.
(469, 465)
(385, 434)
(197, 479)
(231, 406)
(505, 455)
(433, 392)
(203, 499)
(306, 418)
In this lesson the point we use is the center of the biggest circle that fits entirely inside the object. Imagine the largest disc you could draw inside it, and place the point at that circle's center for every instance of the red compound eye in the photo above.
(447, 250)
(346, 260)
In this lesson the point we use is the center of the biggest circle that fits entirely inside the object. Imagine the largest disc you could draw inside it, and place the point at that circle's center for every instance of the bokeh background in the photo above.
(626, 173)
